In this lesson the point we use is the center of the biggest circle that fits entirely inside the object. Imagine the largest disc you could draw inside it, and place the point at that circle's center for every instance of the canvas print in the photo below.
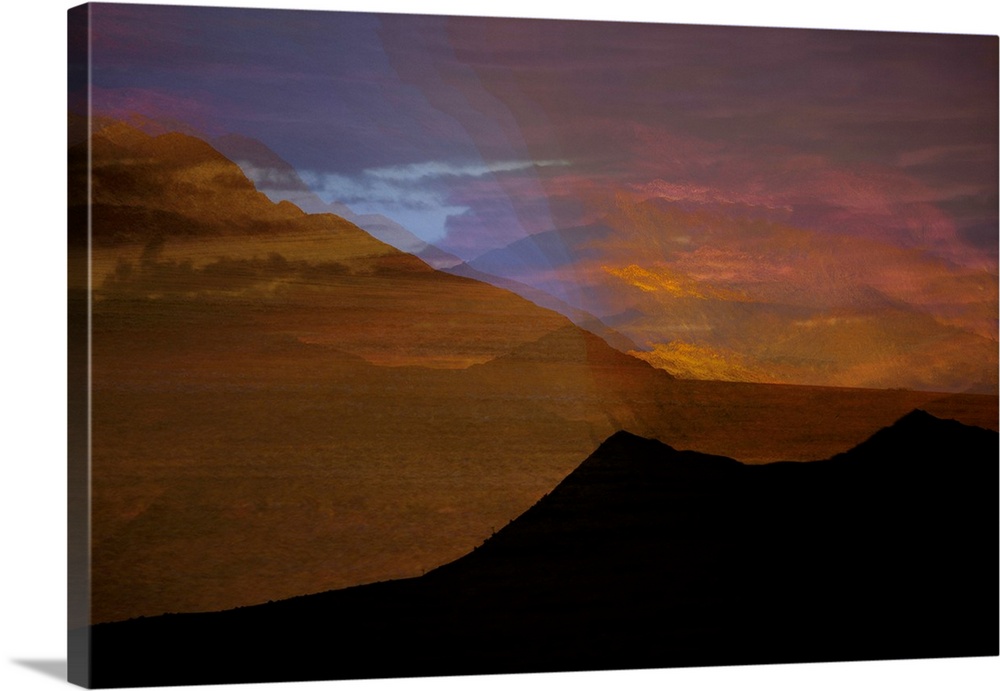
(409, 345)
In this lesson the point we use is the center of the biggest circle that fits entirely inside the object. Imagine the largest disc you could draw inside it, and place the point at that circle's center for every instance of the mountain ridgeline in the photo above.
(645, 556)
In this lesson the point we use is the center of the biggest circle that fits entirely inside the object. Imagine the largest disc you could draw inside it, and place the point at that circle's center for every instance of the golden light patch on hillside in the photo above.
(668, 282)
(694, 361)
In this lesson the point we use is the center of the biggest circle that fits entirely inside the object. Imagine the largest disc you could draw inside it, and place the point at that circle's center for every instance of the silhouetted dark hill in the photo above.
(646, 556)
(916, 437)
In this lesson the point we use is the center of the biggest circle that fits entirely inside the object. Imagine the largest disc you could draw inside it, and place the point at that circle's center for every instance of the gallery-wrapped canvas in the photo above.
(411, 346)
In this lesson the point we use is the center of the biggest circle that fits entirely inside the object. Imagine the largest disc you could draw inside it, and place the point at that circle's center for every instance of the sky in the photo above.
(472, 132)
(817, 177)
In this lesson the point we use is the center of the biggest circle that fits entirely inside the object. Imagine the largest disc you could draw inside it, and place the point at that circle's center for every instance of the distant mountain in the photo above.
(271, 174)
(571, 345)
(646, 556)
(145, 188)
(546, 250)
(279, 180)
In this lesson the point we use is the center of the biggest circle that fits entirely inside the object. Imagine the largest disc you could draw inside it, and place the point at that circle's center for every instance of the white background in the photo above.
(32, 267)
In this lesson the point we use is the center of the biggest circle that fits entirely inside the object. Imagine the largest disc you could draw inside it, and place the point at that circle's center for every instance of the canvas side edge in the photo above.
(78, 349)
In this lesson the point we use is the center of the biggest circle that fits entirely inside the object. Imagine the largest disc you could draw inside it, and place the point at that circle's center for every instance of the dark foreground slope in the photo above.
(649, 557)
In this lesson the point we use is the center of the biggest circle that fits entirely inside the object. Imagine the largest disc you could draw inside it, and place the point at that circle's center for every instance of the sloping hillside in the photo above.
(645, 556)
